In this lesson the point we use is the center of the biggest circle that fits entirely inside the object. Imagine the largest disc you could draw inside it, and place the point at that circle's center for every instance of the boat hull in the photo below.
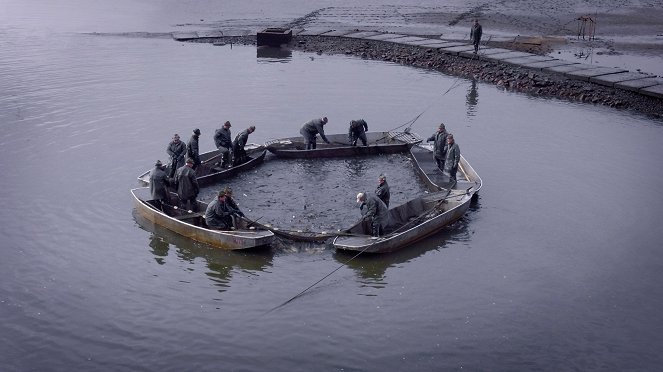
(208, 174)
(378, 143)
(237, 239)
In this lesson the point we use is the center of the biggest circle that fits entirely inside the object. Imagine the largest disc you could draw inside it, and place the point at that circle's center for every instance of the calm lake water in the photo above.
(557, 266)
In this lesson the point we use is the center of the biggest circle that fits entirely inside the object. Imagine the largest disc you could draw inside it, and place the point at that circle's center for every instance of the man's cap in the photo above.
(189, 161)
(221, 193)
(158, 163)
(227, 190)
(196, 131)
(382, 177)
(253, 128)
(324, 120)
(442, 126)
(227, 124)
(176, 136)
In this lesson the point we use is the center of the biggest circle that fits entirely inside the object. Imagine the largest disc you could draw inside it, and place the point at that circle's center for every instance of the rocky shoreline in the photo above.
(508, 77)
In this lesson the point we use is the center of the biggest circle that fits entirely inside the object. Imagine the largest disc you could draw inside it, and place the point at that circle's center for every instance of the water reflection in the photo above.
(220, 262)
(472, 98)
(273, 54)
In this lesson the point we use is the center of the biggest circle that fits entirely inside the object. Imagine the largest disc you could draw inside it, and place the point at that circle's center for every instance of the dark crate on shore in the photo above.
(274, 36)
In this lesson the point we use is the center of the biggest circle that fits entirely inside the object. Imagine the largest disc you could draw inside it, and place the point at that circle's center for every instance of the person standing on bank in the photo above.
(453, 157)
(176, 150)
(218, 214)
(475, 35)
(239, 154)
(439, 145)
(223, 141)
(158, 183)
(357, 131)
(376, 211)
(310, 129)
(192, 149)
(382, 191)
(187, 186)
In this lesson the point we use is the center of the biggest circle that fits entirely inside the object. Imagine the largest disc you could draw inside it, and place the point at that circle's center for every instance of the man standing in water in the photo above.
(453, 157)
(176, 150)
(475, 35)
(311, 129)
(224, 142)
(439, 139)
(192, 148)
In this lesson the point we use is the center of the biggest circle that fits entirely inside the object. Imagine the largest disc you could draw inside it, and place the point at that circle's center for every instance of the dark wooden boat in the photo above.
(339, 146)
(419, 217)
(192, 225)
(273, 36)
(209, 172)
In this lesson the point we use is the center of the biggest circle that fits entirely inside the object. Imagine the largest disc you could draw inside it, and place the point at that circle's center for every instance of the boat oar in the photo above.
(250, 222)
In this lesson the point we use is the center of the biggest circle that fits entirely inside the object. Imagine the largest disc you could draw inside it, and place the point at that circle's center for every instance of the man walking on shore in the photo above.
(475, 35)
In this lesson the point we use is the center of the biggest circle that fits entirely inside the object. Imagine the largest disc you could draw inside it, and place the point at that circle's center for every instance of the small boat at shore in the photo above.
(192, 225)
(209, 172)
(339, 146)
(421, 216)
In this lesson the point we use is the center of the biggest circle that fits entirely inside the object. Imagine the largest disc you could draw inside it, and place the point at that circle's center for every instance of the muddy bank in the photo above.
(508, 77)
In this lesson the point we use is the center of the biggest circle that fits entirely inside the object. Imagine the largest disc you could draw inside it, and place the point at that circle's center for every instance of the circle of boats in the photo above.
(422, 216)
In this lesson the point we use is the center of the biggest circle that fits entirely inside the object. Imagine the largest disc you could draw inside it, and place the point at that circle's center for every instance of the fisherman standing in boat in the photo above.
(218, 214)
(453, 157)
(439, 145)
(382, 191)
(176, 150)
(158, 183)
(311, 129)
(239, 154)
(187, 186)
(376, 212)
(192, 148)
(223, 141)
(357, 131)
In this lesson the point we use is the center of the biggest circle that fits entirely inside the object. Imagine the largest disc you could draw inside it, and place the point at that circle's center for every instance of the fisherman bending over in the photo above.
(218, 214)
(311, 129)
(239, 154)
(376, 212)
(357, 131)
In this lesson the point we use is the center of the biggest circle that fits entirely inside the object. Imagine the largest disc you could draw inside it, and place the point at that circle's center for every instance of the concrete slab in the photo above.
(610, 80)
(457, 49)
(427, 41)
(385, 36)
(654, 91)
(521, 61)
(361, 35)
(491, 51)
(406, 40)
(585, 74)
(636, 85)
(449, 44)
(184, 35)
(508, 55)
(568, 68)
(314, 32)
(337, 33)
(297, 31)
(210, 33)
(548, 64)
(433, 45)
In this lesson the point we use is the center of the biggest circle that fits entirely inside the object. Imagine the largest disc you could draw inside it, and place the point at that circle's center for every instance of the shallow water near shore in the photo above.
(555, 267)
